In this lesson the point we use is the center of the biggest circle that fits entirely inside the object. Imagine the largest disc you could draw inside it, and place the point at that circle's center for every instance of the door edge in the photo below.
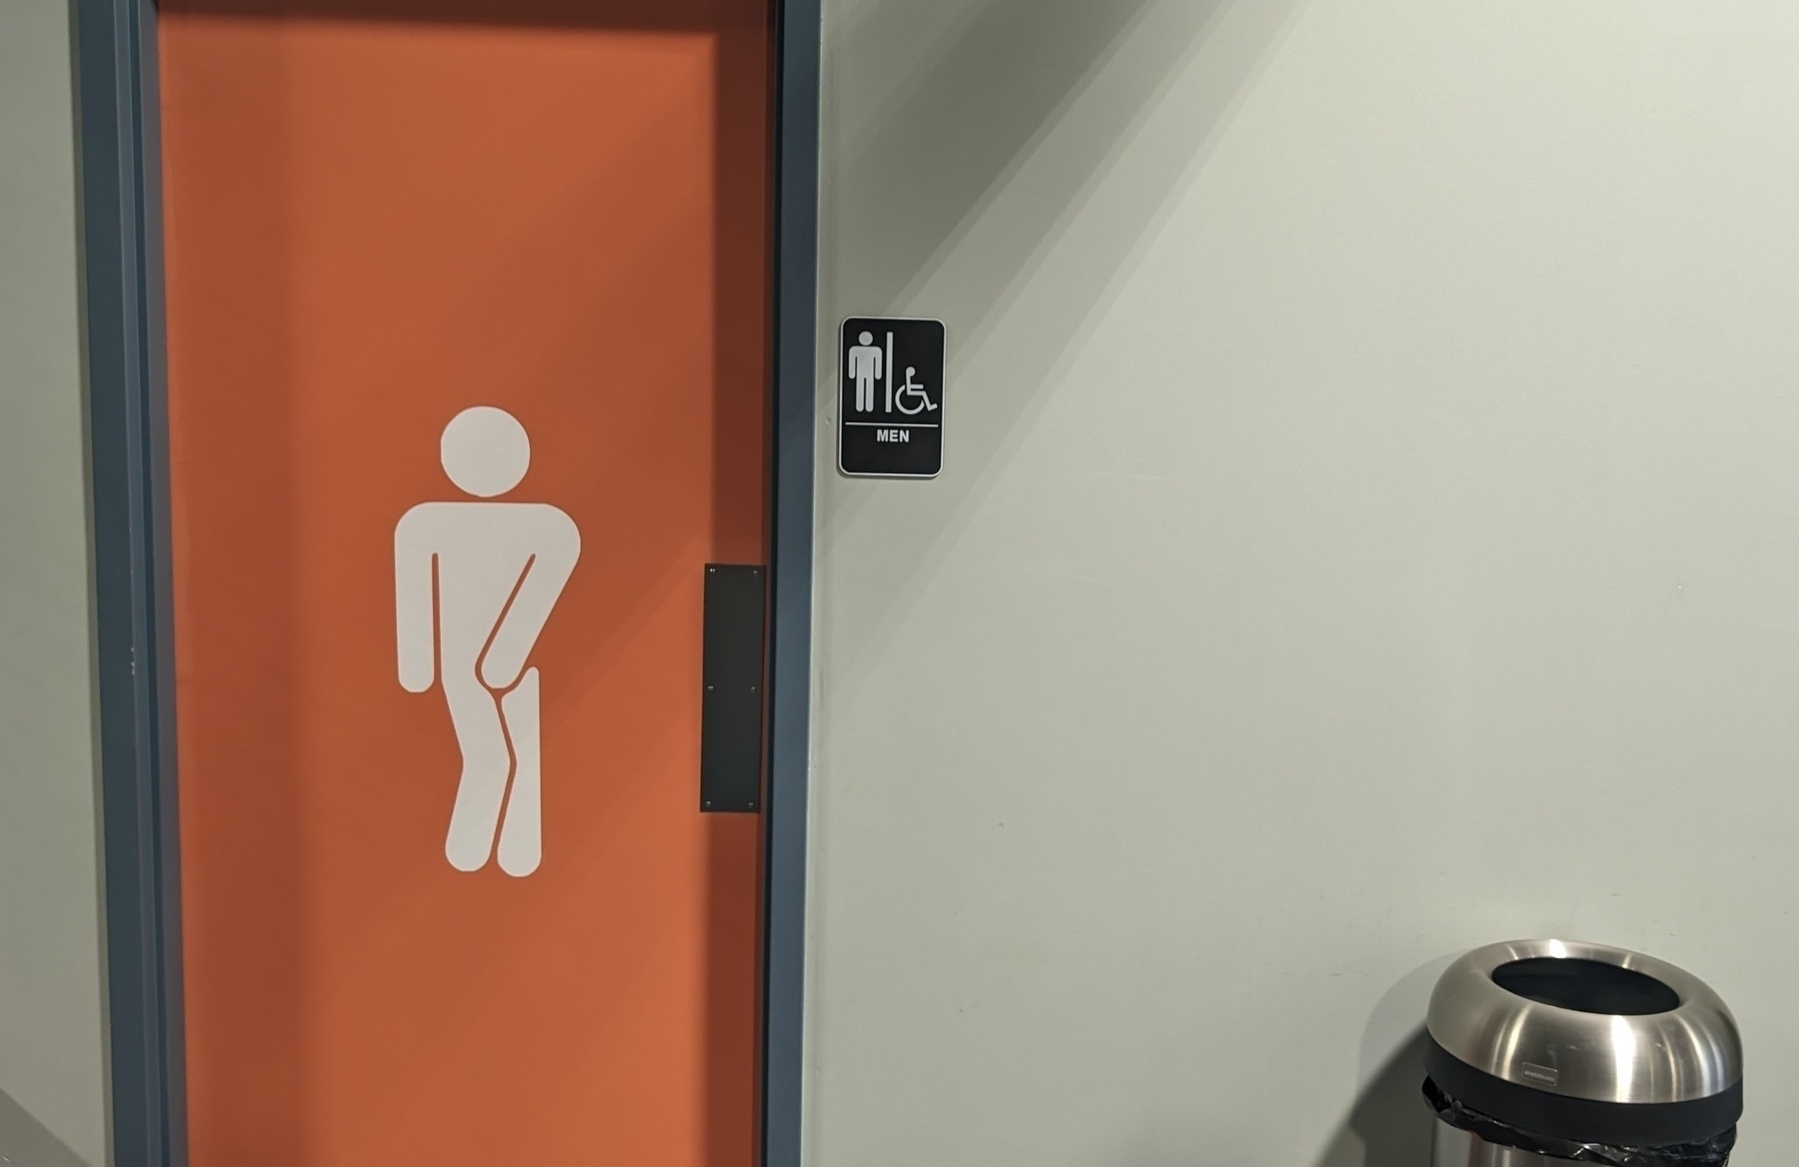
(133, 662)
(798, 46)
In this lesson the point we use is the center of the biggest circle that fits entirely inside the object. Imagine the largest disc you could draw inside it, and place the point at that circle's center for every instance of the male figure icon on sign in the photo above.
(866, 367)
(474, 583)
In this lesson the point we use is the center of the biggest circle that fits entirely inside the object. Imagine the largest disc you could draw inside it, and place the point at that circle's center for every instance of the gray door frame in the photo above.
(121, 216)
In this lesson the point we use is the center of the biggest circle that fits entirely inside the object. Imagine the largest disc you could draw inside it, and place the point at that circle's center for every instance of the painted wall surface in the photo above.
(1370, 528)
(52, 1092)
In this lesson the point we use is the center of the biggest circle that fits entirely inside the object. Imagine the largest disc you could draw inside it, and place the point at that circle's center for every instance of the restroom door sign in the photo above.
(890, 398)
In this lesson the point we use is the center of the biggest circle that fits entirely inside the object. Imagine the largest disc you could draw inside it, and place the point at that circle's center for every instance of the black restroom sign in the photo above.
(890, 397)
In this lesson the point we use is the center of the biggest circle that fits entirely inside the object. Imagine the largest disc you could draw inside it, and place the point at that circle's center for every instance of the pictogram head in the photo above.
(485, 451)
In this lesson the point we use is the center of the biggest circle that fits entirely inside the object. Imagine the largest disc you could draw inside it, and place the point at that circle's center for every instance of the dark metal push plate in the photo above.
(731, 703)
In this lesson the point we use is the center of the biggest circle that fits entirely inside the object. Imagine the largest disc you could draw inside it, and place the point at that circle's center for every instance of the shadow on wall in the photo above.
(934, 151)
(1001, 185)
(26, 1141)
(1004, 87)
(1390, 1124)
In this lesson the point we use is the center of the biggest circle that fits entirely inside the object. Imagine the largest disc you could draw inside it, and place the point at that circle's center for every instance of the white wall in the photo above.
(52, 1094)
(1370, 529)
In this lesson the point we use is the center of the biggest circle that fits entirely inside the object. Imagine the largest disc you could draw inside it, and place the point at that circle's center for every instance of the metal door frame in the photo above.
(122, 300)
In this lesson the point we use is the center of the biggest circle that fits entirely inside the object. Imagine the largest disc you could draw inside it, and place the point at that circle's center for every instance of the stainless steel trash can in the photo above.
(1553, 1051)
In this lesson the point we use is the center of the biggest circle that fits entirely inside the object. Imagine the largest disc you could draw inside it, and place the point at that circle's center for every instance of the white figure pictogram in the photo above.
(474, 583)
(866, 367)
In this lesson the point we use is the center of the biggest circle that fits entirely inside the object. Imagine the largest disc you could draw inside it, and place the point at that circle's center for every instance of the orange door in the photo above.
(467, 320)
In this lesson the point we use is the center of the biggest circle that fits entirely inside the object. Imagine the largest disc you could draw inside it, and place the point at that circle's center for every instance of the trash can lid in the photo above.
(1586, 1021)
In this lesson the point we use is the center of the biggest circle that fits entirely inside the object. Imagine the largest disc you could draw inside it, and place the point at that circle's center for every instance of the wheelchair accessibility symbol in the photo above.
(907, 391)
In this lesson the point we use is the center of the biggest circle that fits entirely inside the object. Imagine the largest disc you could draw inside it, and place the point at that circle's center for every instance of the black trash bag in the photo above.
(1714, 1152)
